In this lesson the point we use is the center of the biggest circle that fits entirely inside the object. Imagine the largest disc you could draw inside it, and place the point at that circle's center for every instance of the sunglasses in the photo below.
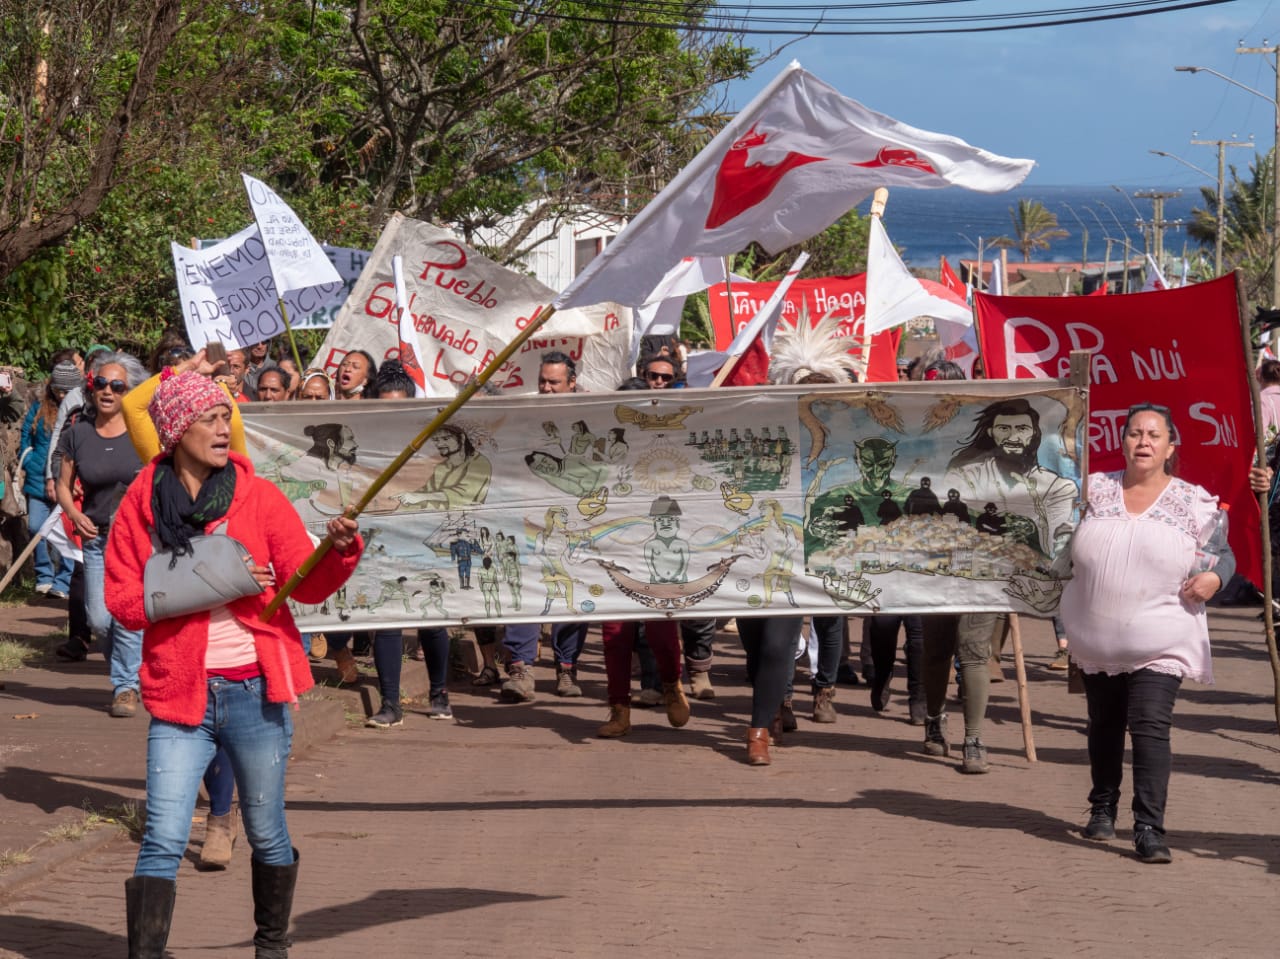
(660, 377)
(1145, 407)
(117, 386)
(178, 354)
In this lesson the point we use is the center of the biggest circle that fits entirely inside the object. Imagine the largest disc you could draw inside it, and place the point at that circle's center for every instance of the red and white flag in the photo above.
(410, 349)
(950, 280)
(784, 169)
(894, 296)
(1155, 277)
(661, 314)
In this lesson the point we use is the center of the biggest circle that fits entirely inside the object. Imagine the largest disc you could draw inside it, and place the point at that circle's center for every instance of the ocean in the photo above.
(928, 224)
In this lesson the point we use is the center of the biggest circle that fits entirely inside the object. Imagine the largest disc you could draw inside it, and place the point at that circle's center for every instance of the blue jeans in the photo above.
(257, 736)
(122, 648)
(58, 577)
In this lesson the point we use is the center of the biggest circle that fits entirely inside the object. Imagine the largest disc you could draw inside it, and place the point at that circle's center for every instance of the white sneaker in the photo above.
(44, 588)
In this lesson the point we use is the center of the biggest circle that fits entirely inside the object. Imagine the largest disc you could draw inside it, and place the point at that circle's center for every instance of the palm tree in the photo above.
(1033, 227)
(1246, 236)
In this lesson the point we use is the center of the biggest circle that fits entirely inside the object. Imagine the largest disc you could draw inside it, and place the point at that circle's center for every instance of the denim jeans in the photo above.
(58, 577)
(388, 658)
(257, 736)
(770, 644)
(567, 640)
(521, 642)
(434, 641)
(122, 648)
(1141, 702)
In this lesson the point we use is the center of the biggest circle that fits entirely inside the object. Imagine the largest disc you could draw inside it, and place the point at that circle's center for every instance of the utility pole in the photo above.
(1273, 50)
(1222, 218)
(1158, 223)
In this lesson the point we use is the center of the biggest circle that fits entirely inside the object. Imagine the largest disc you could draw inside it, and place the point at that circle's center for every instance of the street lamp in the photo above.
(1084, 232)
(1221, 224)
(1106, 262)
(1275, 155)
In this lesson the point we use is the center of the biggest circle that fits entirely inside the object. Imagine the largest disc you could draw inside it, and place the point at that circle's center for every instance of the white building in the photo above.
(558, 249)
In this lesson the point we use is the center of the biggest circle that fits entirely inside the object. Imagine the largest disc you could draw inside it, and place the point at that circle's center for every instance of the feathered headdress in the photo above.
(804, 350)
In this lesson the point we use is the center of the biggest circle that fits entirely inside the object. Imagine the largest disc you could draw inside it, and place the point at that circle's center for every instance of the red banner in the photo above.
(846, 296)
(1177, 348)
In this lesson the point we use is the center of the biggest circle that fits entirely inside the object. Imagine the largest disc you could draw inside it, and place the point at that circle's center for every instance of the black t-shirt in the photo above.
(105, 467)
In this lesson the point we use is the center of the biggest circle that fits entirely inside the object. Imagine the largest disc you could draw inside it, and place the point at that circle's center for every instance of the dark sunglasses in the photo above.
(117, 386)
(660, 377)
(178, 354)
(1145, 407)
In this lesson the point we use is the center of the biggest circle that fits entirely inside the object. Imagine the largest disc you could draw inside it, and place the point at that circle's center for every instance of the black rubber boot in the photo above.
(272, 905)
(149, 908)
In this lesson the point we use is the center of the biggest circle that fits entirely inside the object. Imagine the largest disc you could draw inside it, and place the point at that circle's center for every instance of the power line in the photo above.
(1066, 17)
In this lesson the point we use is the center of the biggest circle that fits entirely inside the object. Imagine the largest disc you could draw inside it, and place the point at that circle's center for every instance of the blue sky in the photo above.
(1086, 102)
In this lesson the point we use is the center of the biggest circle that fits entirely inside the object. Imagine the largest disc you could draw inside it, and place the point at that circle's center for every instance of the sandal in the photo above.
(488, 676)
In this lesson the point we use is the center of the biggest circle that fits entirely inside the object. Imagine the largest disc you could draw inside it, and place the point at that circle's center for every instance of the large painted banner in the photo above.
(466, 308)
(691, 503)
(733, 307)
(1179, 348)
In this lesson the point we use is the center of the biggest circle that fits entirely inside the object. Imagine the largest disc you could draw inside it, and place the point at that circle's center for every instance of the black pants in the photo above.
(1141, 702)
(770, 644)
(884, 651)
(696, 636)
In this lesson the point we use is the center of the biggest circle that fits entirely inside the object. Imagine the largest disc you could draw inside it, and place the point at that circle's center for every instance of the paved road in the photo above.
(514, 832)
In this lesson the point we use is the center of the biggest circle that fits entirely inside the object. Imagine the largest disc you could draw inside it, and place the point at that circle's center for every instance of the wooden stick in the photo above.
(22, 558)
(293, 344)
(351, 512)
(879, 200)
(1260, 442)
(1024, 700)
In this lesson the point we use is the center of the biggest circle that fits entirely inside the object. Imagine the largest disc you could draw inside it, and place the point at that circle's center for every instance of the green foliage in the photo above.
(1034, 227)
(1248, 213)
(31, 299)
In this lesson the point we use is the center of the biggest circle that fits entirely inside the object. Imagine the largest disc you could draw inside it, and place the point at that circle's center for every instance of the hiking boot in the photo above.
(219, 840)
(319, 647)
(975, 756)
(567, 682)
(700, 686)
(1149, 844)
(935, 736)
(758, 747)
(824, 707)
(345, 661)
(439, 708)
(389, 715)
(125, 704)
(619, 723)
(1102, 823)
(1061, 661)
(677, 705)
(648, 697)
(788, 714)
(519, 685)
(915, 713)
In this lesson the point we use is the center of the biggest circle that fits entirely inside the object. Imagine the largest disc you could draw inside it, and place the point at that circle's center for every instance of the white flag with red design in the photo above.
(1155, 277)
(410, 349)
(784, 169)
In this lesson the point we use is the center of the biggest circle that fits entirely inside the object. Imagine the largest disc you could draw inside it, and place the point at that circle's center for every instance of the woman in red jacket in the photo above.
(220, 677)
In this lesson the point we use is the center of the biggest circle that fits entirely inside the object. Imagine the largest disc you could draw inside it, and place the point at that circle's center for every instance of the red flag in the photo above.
(1100, 291)
(949, 278)
(752, 368)
(1179, 348)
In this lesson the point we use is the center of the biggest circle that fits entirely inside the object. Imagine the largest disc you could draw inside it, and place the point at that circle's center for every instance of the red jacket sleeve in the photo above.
(290, 546)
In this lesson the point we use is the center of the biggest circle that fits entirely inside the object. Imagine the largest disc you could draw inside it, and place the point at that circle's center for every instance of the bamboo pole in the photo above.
(1260, 442)
(879, 200)
(1024, 701)
(288, 330)
(415, 444)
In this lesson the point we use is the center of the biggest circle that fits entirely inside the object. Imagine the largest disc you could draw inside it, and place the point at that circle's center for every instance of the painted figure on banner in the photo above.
(461, 477)
(999, 463)
(666, 553)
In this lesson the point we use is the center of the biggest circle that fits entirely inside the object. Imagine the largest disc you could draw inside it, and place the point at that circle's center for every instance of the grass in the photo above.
(126, 816)
(18, 592)
(13, 857)
(16, 653)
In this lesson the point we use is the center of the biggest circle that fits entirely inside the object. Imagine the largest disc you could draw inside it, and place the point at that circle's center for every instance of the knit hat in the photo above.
(65, 377)
(179, 401)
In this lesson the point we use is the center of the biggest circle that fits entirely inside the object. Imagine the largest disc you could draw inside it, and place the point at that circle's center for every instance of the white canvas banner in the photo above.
(691, 503)
(227, 292)
(466, 308)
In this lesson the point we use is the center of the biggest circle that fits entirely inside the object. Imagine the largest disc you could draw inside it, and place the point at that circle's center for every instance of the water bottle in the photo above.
(1217, 537)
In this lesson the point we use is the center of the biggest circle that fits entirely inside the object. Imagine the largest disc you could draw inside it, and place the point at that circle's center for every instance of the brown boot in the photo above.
(677, 704)
(758, 747)
(619, 723)
(219, 840)
(345, 660)
(824, 709)
(700, 685)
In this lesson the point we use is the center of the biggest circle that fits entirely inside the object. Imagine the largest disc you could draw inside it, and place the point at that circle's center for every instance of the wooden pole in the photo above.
(288, 330)
(1024, 700)
(22, 558)
(1260, 442)
(351, 512)
(879, 200)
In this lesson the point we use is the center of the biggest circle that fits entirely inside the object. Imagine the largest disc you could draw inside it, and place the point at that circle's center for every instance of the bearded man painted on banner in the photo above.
(999, 463)
(460, 479)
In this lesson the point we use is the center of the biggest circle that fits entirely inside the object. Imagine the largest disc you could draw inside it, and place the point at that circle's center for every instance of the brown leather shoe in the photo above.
(219, 840)
(677, 704)
(345, 660)
(758, 747)
(619, 723)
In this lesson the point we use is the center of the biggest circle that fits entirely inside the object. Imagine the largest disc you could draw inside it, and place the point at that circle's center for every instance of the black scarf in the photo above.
(177, 516)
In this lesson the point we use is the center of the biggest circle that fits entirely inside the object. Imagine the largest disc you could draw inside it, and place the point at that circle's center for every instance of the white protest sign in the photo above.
(295, 258)
(228, 295)
(466, 308)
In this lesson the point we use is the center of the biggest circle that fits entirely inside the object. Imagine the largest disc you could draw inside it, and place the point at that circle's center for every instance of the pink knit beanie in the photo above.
(179, 401)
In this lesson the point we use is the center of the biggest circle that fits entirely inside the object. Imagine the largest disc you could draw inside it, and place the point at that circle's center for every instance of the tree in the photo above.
(1033, 229)
(1247, 222)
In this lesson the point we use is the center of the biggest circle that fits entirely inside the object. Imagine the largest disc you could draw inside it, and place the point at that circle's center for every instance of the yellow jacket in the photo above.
(142, 432)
